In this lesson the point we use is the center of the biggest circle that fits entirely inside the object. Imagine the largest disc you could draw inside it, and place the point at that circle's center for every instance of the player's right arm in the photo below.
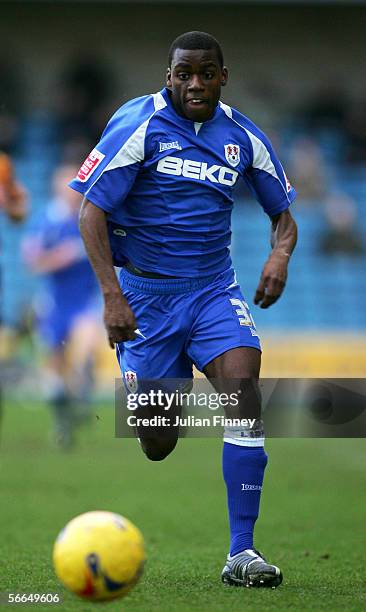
(105, 179)
(119, 319)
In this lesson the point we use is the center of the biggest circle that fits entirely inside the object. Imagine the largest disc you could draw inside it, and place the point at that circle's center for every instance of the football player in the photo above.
(13, 198)
(157, 203)
(66, 308)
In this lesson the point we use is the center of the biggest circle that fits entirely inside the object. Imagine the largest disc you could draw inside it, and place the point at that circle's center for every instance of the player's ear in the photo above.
(224, 76)
(168, 77)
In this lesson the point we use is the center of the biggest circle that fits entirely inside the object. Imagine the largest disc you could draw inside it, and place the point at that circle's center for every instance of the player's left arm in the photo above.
(274, 273)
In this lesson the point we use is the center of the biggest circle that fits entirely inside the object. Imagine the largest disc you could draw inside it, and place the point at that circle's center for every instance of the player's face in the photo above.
(63, 175)
(195, 79)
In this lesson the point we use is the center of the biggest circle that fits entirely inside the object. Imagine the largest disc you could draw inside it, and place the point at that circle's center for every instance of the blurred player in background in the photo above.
(13, 203)
(67, 311)
(13, 197)
(158, 201)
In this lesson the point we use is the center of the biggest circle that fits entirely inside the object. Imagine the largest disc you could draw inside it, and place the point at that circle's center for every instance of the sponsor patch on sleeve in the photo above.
(288, 184)
(90, 164)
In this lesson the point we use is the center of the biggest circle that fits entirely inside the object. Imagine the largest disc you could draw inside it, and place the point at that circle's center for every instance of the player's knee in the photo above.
(157, 450)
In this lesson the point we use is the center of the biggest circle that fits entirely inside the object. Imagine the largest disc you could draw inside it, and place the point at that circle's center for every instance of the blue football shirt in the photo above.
(75, 284)
(166, 183)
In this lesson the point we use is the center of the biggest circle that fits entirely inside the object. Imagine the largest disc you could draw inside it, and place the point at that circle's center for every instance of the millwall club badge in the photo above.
(131, 381)
(232, 154)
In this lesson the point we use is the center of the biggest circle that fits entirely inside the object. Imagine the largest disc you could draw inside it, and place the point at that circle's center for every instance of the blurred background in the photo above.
(296, 69)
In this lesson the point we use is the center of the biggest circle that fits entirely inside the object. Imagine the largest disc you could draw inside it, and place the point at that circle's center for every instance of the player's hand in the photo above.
(273, 280)
(119, 319)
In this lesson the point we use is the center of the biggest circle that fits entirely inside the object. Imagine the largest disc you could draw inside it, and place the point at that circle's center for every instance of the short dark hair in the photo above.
(196, 40)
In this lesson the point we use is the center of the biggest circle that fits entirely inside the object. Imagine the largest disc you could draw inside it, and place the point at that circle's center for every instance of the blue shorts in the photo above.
(183, 322)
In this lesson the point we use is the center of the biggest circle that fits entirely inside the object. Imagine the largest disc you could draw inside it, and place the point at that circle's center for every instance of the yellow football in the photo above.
(99, 555)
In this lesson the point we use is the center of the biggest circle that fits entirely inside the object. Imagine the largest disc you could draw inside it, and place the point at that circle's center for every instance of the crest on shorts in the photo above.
(232, 154)
(131, 381)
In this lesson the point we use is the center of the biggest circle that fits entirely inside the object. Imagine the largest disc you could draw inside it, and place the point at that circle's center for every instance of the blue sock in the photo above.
(243, 469)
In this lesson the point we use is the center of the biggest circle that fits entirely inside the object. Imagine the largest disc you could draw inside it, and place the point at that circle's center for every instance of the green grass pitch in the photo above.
(312, 519)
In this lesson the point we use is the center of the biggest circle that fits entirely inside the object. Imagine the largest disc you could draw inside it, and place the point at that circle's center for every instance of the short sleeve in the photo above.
(266, 177)
(109, 172)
